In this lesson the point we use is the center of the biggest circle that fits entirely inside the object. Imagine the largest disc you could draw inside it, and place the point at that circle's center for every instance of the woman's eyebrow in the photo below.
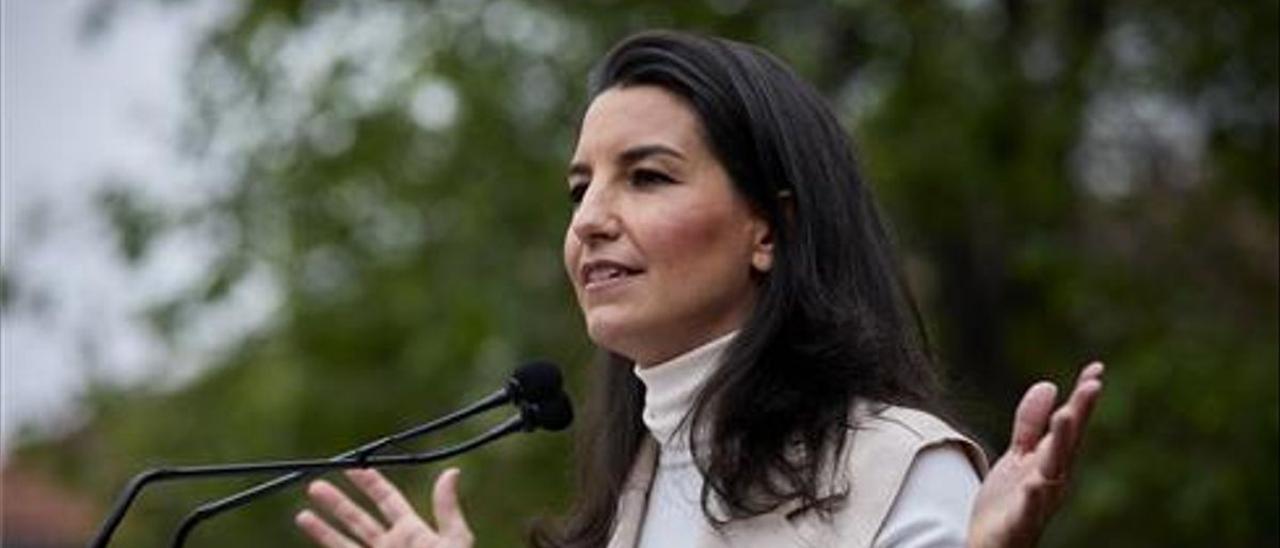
(628, 157)
(637, 153)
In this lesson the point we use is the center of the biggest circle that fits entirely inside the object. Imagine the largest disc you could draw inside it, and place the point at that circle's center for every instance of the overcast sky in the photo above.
(77, 112)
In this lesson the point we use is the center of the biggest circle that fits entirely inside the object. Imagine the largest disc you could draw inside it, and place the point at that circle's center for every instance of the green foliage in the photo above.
(397, 168)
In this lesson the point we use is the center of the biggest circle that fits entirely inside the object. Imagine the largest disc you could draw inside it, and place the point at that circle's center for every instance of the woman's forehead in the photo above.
(624, 117)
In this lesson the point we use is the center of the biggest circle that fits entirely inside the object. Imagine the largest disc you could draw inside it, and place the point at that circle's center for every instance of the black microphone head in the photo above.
(535, 381)
(553, 413)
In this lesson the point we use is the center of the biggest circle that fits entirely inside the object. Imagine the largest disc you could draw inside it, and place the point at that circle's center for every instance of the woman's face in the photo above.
(661, 248)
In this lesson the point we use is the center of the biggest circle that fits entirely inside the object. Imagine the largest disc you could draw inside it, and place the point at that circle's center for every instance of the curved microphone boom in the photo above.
(535, 388)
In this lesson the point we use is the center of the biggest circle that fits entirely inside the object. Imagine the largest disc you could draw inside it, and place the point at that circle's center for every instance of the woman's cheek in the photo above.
(572, 250)
(688, 238)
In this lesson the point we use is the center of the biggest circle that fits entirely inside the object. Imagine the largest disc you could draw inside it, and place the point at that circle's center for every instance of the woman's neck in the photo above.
(671, 354)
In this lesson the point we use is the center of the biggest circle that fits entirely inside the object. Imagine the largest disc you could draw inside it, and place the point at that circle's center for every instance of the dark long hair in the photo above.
(834, 321)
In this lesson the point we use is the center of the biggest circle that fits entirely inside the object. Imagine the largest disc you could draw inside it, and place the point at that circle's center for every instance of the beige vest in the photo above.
(879, 451)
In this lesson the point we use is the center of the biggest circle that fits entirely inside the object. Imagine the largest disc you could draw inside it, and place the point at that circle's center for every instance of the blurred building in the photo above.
(39, 513)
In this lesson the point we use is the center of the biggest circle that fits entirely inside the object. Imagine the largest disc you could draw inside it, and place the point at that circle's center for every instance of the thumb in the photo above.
(444, 499)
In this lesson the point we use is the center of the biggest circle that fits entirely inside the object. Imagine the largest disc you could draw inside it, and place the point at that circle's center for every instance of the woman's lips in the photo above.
(599, 275)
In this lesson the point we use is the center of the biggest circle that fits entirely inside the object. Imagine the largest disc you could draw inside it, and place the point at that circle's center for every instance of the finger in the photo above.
(1094, 370)
(1059, 446)
(321, 532)
(364, 526)
(1088, 386)
(448, 512)
(383, 493)
(1032, 416)
(1082, 402)
(1069, 422)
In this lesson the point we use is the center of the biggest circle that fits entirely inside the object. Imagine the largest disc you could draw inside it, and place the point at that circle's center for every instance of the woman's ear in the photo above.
(761, 246)
(762, 236)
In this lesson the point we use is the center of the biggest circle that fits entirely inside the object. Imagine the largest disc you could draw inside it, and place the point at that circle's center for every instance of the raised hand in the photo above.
(1025, 487)
(401, 527)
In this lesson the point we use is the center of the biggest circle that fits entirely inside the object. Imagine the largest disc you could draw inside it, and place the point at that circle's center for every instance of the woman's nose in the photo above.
(595, 218)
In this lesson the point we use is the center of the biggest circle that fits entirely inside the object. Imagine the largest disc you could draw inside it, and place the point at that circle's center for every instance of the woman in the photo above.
(767, 380)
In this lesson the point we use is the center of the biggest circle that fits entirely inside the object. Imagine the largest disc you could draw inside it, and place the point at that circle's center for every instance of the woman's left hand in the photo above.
(1025, 487)
(404, 528)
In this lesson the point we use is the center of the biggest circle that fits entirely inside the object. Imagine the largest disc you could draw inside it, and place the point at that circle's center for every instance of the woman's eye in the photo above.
(642, 177)
(576, 192)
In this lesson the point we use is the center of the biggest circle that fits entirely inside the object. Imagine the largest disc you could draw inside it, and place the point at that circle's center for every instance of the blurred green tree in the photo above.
(1069, 180)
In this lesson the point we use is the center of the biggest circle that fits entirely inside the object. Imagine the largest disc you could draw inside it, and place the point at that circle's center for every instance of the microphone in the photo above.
(535, 388)
(535, 381)
(552, 414)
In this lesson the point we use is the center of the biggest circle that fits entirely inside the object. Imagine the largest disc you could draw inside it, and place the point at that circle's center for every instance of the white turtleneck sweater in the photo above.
(932, 508)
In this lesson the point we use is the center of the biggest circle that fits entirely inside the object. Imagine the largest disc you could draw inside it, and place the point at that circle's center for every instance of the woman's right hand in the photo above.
(402, 528)
(1025, 487)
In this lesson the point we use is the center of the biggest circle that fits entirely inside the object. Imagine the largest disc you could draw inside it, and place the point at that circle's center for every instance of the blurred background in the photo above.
(241, 230)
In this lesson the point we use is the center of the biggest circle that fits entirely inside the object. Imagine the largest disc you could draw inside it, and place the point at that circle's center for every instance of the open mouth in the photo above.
(604, 274)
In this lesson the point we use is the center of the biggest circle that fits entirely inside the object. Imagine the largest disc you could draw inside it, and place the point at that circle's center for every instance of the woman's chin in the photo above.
(612, 335)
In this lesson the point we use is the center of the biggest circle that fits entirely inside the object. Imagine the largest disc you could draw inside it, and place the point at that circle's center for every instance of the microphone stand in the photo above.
(361, 457)
(514, 424)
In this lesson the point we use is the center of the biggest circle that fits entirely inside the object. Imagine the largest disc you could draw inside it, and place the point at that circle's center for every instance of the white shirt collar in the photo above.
(672, 386)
